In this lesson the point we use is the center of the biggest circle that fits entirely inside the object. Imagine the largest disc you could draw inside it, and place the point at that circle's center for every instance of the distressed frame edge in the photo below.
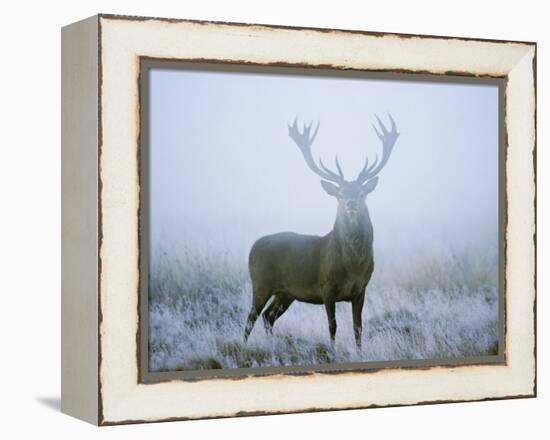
(532, 116)
(80, 197)
(315, 410)
(535, 212)
(104, 422)
(124, 17)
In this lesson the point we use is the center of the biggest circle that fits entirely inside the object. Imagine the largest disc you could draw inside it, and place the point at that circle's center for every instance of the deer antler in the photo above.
(304, 141)
(388, 139)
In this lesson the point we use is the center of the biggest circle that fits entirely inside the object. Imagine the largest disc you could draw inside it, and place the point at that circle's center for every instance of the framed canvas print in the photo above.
(264, 219)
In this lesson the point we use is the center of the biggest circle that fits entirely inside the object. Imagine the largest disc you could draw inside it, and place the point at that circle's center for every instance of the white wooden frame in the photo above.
(100, 361)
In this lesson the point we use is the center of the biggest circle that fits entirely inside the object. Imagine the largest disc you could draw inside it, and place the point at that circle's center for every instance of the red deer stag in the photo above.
(321, 270)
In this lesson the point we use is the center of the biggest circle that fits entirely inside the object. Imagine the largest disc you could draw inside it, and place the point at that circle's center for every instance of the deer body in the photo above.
(286, 267)
(322, 261)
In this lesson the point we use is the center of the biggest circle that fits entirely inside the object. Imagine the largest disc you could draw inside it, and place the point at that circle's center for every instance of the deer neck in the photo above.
(353, 234)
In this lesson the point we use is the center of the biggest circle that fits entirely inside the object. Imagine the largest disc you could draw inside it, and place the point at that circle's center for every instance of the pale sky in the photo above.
(224, 171)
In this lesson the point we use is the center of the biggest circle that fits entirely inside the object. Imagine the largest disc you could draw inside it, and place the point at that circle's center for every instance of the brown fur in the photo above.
(288, 267)
(311, 269)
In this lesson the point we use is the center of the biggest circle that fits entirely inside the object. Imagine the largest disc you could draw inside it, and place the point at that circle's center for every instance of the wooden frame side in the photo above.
(79, 256)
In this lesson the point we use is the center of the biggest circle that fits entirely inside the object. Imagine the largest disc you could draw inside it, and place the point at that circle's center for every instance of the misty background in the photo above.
(224, 172)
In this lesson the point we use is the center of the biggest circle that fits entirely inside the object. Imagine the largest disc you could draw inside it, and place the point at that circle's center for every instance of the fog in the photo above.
(224, 172)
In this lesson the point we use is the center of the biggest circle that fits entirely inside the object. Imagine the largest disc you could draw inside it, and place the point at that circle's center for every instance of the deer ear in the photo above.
(369, 186)
(330, 188)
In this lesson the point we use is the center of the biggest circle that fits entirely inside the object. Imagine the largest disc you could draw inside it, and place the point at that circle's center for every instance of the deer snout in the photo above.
(351, 205)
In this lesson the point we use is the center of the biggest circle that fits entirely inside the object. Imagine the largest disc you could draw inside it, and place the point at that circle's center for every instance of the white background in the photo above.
(30, 217)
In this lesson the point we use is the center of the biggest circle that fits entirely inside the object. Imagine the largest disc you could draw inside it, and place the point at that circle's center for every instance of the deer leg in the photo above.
(356, 310)
(286, 301)
(357, 307)
(330, 307)
(280, 305)
(259, 299)
(268, 314)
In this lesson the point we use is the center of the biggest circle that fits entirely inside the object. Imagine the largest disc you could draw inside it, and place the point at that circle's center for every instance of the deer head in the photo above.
(351, 195)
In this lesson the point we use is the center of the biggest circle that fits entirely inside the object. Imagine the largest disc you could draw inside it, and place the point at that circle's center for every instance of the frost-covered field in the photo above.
(439, 306)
